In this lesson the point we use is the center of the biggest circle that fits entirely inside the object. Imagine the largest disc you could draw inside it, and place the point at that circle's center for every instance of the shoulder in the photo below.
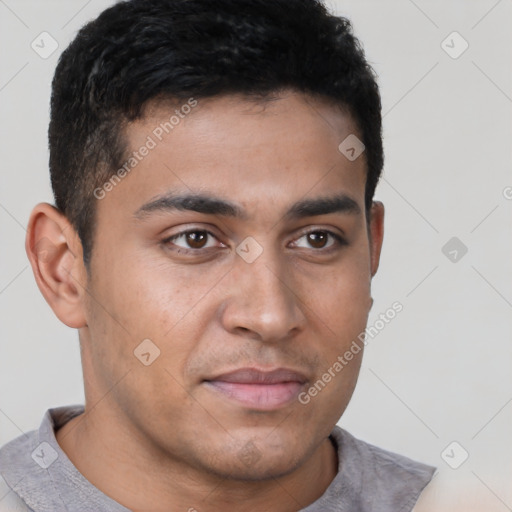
(382, 463)
(10, 468)
(9, 500)
(372, 475)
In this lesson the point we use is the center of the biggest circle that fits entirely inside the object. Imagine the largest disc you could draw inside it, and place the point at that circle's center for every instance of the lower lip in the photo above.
(259, 396)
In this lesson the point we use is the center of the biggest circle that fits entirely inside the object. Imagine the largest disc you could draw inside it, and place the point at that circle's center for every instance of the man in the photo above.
(213, 241)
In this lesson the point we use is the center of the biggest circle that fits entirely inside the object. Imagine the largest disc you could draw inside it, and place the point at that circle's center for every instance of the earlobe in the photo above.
(376, 234)
(55, 254)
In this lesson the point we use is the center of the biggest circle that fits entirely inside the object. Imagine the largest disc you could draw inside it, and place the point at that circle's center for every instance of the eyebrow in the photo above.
(210, 205)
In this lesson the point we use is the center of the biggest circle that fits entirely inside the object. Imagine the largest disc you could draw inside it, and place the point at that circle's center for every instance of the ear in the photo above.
(376, 233)
(55, 253)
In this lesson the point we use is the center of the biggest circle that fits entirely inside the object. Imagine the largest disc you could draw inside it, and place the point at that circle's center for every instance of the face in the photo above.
(248, 290)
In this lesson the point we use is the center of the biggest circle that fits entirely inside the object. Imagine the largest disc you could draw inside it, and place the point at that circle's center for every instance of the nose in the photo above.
(263, 302)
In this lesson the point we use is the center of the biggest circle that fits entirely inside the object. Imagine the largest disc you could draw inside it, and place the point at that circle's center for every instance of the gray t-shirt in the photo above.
(39, 477)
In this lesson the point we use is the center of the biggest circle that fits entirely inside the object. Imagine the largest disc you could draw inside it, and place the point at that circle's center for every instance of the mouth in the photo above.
(258, 389)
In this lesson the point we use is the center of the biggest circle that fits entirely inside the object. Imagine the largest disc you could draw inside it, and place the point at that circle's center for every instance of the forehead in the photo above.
(257, 154)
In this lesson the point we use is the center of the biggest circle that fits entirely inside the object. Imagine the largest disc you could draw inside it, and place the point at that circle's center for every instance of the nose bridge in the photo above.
(262, 300)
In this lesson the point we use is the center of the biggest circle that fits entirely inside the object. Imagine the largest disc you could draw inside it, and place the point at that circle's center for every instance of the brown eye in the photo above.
(318, 239)
(196, 239)
(321, 240)
(192, 240)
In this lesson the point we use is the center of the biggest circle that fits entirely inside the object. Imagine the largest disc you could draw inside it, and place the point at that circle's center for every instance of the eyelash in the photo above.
(339, 240)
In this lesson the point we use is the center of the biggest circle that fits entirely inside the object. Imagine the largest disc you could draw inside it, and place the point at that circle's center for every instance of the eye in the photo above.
(319, 239)
(192, 240)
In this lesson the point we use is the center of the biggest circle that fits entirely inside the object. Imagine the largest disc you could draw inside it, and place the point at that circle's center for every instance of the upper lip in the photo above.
(255, 376)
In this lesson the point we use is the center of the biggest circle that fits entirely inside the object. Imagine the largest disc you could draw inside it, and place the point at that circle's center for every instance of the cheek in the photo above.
(153, 295)
(342, 297)
(341, 302)
(341, 320)
(343, 313)
(153, 299)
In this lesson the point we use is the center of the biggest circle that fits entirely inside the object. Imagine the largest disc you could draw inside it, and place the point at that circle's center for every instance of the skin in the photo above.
(158, 437)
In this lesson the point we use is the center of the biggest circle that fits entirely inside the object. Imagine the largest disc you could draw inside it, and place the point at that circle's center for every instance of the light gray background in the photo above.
(441, 371)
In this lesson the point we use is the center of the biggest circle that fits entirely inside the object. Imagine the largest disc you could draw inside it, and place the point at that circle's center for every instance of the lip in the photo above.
(259, 389)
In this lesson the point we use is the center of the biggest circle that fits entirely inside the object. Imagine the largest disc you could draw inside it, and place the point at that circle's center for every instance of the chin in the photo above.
(259, 461)
(266, 468)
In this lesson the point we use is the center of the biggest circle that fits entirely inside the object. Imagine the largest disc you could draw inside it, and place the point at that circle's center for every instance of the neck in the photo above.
(121, 464)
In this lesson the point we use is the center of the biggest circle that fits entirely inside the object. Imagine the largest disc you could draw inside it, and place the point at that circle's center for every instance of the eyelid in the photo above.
(190, 230)
(313, 229)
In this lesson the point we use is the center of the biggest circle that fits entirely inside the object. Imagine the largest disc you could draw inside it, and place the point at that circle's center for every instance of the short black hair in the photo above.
(142, 50)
